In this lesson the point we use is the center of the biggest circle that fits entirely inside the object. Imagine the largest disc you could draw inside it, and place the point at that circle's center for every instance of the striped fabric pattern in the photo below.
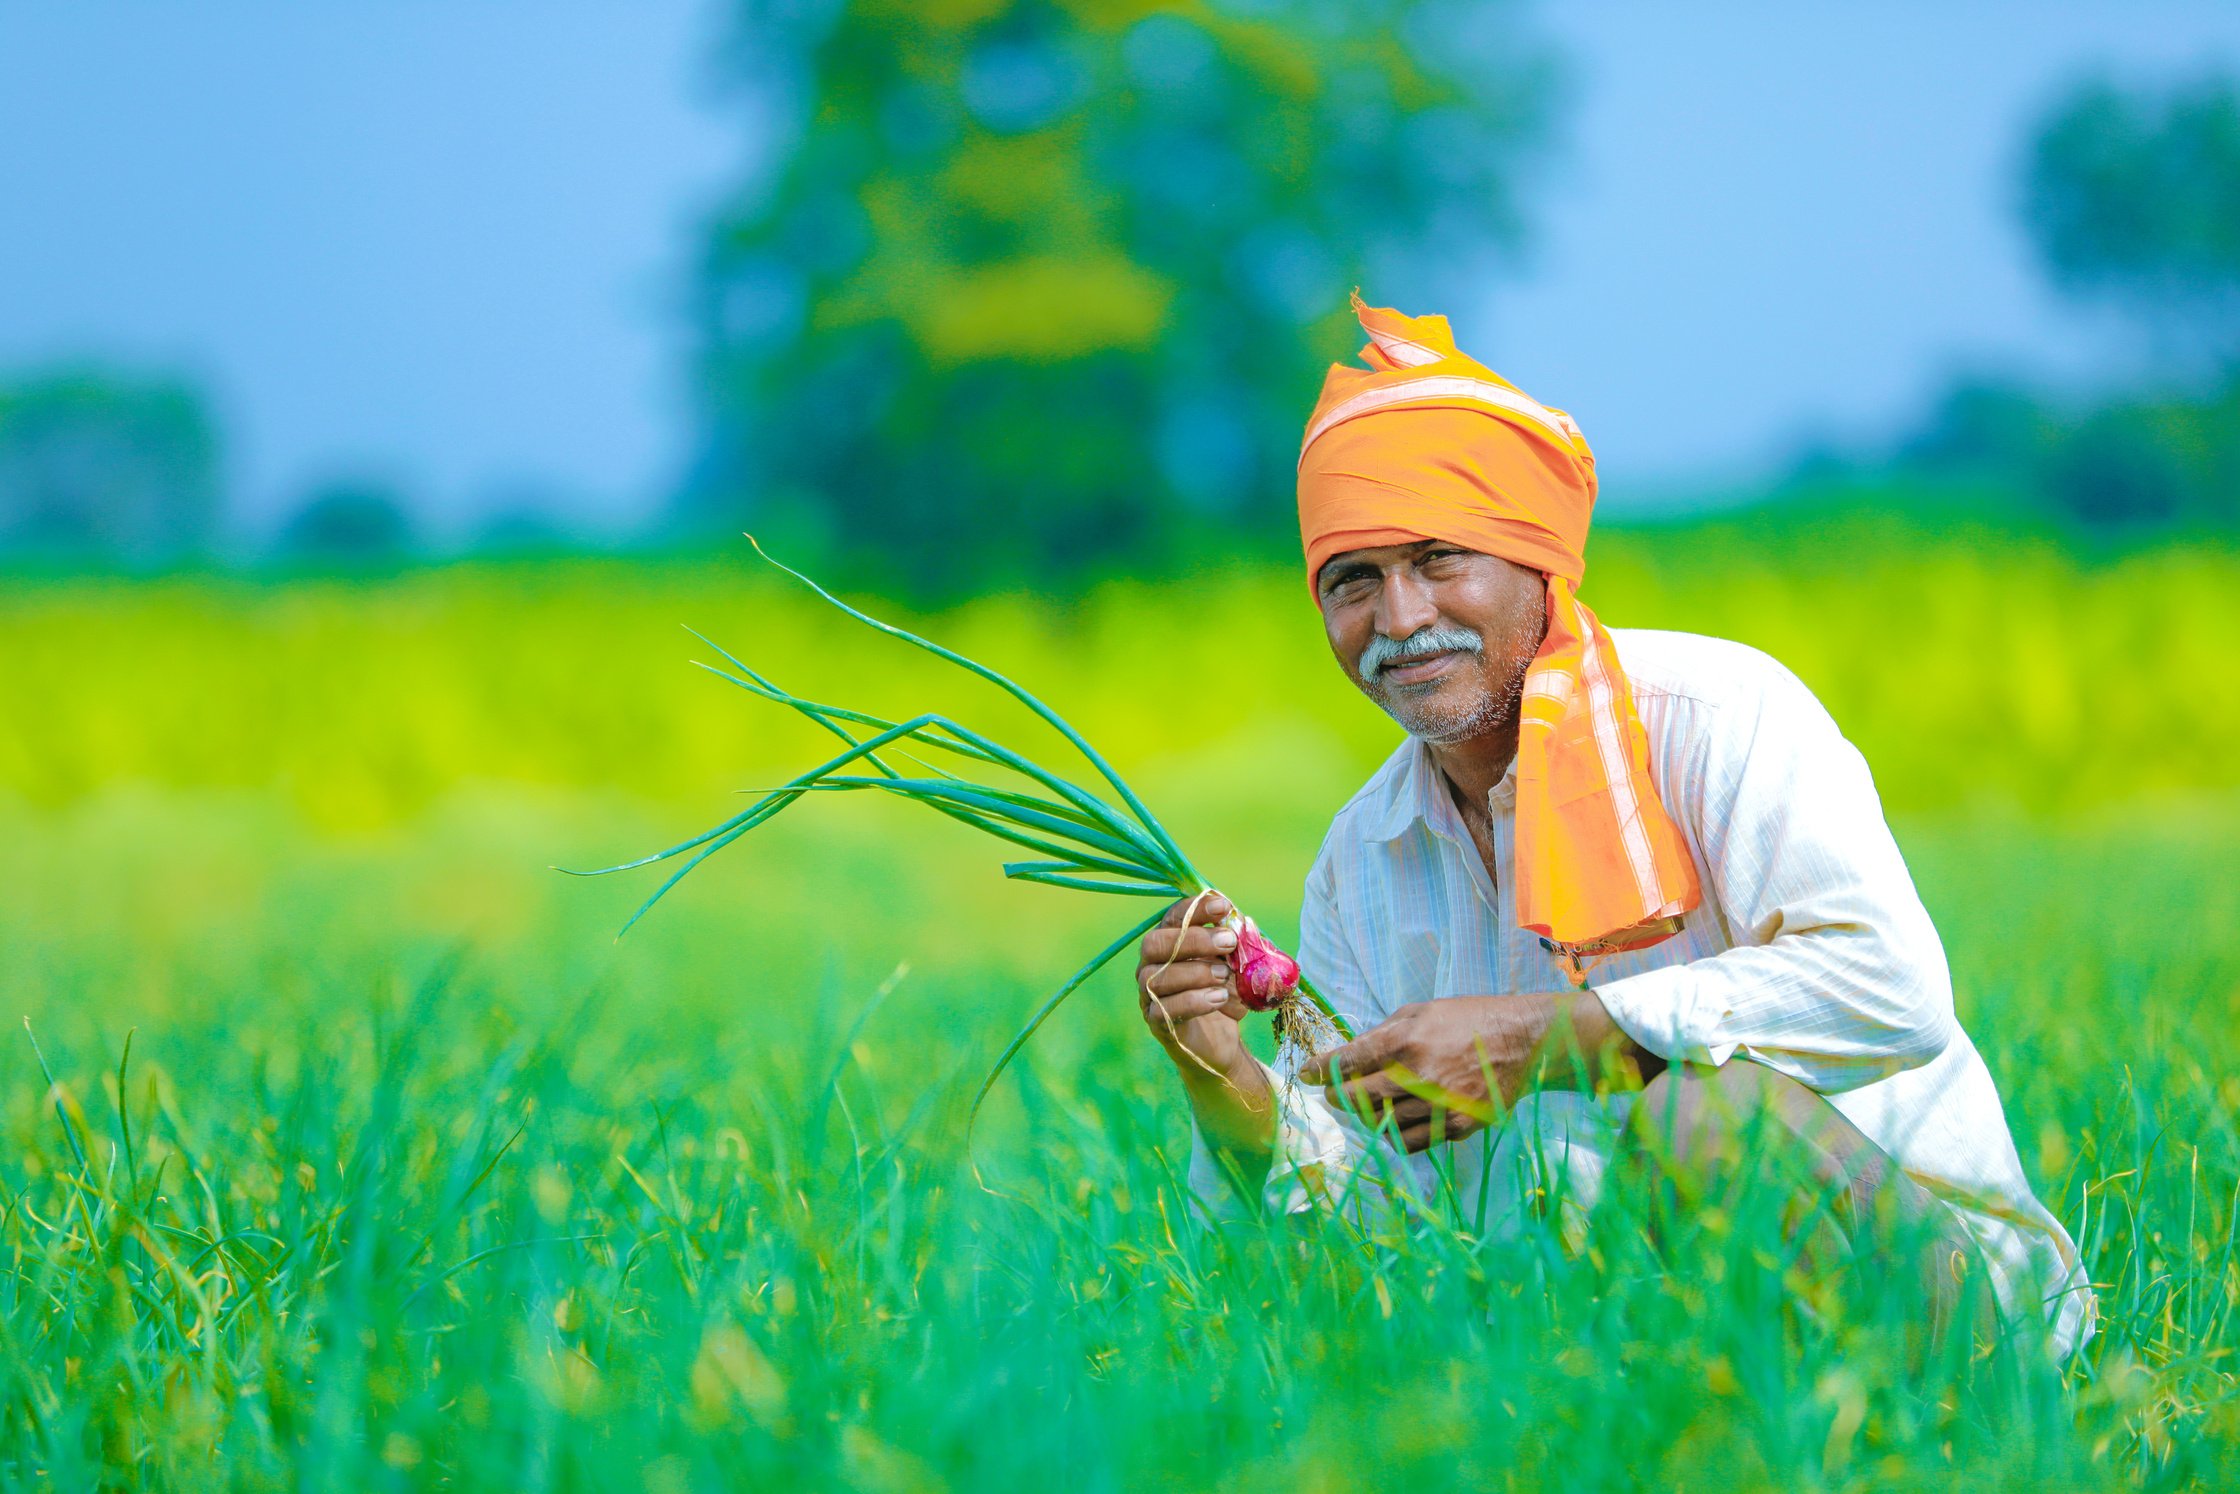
(1810, 953)
(1602, 865)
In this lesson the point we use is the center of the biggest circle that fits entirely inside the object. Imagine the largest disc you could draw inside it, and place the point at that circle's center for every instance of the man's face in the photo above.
(1437, 635)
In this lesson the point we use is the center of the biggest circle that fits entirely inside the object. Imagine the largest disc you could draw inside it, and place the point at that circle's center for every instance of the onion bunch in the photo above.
(1078, 838)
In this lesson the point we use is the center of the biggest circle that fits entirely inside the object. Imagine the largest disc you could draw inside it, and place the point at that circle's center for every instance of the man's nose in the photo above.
(1404, 605)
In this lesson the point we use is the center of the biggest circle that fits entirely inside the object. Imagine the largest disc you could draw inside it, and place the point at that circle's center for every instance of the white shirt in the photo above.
(1810, 953)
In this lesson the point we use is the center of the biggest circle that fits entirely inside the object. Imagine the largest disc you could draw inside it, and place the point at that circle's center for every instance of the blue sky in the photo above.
(1783, 222)
(441, 240)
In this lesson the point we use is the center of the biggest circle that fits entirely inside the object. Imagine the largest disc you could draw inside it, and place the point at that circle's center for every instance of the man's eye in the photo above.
(1346, 586)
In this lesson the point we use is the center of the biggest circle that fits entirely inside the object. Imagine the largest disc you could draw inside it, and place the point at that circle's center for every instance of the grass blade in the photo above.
(770, 803)
(1011, 1049)
(1016, 692)
(62, 1112)
(823, 714)
(965, 742)
(1033, 815)
(1093, 884)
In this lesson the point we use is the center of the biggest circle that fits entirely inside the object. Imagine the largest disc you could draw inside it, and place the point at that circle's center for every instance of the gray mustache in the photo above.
(1382, 652)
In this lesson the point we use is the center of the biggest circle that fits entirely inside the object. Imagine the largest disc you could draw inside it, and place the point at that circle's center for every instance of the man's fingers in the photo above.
(1368, 1097)
(1162, 1012)
(1411, 1112)
(1363, 1056)
(1188, 932)
(1383, 1096)
(1207, 908)
(1184, 975)
(1436, 1128)
(1182, 971)
(1195, 943)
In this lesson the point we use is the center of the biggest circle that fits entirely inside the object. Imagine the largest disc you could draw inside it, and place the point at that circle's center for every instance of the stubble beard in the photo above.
(1442, 723)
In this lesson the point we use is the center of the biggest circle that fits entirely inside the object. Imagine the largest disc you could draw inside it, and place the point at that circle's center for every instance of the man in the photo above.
(1653, 852)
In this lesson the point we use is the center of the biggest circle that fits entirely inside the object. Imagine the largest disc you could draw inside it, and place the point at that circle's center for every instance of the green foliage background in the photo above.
(2130, 194)
(1040, 280)
(2133, 195)
(1972, 664)
(114, 467)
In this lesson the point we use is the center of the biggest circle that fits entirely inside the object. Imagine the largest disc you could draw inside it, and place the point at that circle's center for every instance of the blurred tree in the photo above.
(1984, 424)
(2133, 198)
(106, 465)
(523, 531)
(1035, 280)
(354, 521)
(2140, 460)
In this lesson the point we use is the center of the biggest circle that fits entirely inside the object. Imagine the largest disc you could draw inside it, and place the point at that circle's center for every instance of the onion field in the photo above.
(345, 1147)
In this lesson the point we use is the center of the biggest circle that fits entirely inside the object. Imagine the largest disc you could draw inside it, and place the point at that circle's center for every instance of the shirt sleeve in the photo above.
(1316, 1151)
(1837, 977)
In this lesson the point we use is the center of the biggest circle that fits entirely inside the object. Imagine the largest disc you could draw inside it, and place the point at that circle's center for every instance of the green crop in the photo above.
(369, 1160)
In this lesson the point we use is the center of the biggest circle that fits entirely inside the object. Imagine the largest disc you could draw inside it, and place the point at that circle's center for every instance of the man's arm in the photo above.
(1184, 990)
(1837, 978)
(1261, 1142)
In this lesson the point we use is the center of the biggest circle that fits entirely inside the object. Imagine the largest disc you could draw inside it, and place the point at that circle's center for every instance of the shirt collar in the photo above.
(1418, 796)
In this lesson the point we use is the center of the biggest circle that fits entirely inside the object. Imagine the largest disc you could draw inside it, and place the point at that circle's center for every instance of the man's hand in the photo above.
(1444, 1069)
(1182, 986)
(1188, 1001)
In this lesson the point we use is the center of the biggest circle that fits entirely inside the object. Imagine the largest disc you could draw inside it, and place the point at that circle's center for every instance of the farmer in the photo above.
(1600, 856)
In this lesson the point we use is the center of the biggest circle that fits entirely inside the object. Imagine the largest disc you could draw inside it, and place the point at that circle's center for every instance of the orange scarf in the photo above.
(1405, 451)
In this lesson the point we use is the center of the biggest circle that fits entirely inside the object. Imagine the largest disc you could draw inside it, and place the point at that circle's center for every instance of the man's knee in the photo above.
(1692, 1113)
(1702, 1122)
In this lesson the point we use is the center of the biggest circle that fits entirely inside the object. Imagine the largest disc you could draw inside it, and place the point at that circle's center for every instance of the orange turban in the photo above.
(1426, 443)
